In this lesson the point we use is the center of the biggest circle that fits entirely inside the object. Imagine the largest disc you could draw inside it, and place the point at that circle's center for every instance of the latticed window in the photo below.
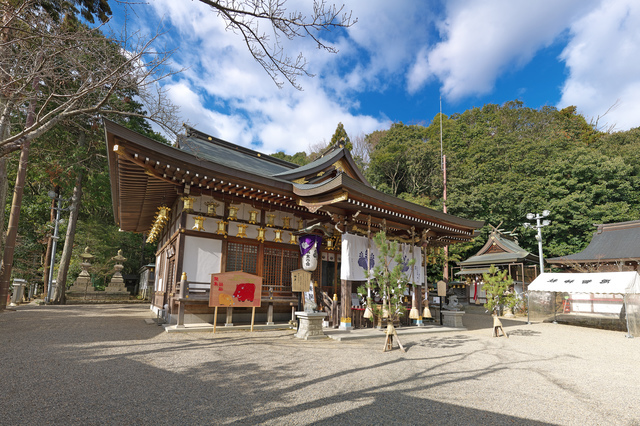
(278, 264)
(171, 270)
(242, 257)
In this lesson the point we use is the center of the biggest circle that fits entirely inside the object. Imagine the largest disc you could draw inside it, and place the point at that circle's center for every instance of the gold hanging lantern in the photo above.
(188, 204)
(222, 230)
(278, 238)
(199, 226)
(292, 239)
(163, 213)
(271, 220)
(261, 232)
(161, 218)
(211, 208)
(233, 213)
(330, 244)
(253, 217)
(300, 224)
(286, 222)
(242, 231)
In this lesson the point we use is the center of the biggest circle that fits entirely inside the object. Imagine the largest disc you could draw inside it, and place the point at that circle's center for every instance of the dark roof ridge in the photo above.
(603, 227)
(191, 132)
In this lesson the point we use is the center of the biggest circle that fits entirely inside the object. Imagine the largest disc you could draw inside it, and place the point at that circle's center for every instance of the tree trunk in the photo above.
(12, 228)
(4, 185)
(65, 259)
(16, 204)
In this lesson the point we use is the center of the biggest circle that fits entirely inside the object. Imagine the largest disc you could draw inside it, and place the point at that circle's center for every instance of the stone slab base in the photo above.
(452, 319)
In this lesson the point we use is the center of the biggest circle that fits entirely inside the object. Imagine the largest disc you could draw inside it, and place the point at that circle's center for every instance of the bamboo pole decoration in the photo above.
(426, 313)
(368, 313)
(414, 313)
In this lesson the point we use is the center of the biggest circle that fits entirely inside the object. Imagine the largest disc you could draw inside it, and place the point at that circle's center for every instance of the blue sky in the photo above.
(396, 63)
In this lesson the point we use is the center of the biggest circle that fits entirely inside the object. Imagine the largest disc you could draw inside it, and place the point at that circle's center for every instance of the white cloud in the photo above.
(603, 58)
(482, 40)
(224, 92)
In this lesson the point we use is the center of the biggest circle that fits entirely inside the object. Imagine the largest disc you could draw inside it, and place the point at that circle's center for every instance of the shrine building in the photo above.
(212, 206)
(614, 247)
(502, 251)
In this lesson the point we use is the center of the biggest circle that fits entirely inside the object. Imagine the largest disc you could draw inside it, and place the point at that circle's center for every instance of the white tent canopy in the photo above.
(595, 282)
(602, 296)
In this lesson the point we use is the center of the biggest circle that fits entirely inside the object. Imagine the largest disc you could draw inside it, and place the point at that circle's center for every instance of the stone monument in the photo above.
(116, 286)
(82, 285)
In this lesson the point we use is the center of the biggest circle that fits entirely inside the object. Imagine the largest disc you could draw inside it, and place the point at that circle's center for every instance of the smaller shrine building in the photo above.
(503, 251)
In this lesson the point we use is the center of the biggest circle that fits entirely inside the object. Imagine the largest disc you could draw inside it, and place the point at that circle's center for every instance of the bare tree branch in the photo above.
(244, 17)
(77, 71)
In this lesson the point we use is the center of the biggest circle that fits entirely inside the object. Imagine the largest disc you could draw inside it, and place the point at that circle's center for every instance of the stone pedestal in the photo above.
(18, 291)
(452, 318)
(310, 325)
(116, 285)
(82, 284)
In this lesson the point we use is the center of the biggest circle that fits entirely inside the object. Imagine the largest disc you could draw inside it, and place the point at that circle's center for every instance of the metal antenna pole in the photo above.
(53, 251)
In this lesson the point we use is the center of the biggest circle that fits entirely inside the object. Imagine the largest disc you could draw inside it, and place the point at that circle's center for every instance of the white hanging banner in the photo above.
(354, 259)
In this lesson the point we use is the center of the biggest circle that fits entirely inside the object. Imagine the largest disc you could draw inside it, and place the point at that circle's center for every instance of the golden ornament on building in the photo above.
(222, 230)
(242, 231)
(286, 222)
(278, 238)
(271, 220)
(211, 208)
(261, 232)
(233, 213)
(292, 239)
(188, 204)
(161, 218)
(199, 225)
(253, 217)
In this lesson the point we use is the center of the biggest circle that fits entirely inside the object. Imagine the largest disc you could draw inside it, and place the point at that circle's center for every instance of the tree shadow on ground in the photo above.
(245, 378)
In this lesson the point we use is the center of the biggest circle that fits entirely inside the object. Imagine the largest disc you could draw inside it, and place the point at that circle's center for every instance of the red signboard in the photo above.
(235, 289)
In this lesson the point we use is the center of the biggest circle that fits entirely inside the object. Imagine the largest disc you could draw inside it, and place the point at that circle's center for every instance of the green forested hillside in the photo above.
(505, 161)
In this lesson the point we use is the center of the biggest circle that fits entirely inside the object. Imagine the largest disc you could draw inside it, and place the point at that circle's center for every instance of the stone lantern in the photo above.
(81, 284)
(116, 285)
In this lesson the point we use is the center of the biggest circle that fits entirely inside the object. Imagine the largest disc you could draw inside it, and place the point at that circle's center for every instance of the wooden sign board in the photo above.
(442, 288)
(300, 280)
(235, 289)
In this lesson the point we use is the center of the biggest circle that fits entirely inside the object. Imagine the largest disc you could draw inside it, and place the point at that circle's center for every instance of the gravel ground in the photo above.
(106, 365)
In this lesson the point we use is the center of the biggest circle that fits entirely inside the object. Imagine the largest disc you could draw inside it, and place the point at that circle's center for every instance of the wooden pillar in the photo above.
(345, 303)
(182, 295)
(180, 314)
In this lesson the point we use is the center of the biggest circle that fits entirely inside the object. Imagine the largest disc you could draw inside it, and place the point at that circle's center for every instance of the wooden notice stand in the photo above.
(235, 289)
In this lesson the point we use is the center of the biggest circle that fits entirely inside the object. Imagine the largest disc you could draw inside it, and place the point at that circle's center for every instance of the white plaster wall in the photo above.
(202, 257)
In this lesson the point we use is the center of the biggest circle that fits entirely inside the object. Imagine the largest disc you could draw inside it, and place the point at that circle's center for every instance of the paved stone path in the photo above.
(107, 365)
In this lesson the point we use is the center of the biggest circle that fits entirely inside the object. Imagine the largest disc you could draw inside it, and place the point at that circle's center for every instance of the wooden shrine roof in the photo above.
(146, 174)
(611, 242)
(499, 249)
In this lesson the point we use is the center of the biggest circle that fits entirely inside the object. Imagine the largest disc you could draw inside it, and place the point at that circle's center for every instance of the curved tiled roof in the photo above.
(610, 242)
